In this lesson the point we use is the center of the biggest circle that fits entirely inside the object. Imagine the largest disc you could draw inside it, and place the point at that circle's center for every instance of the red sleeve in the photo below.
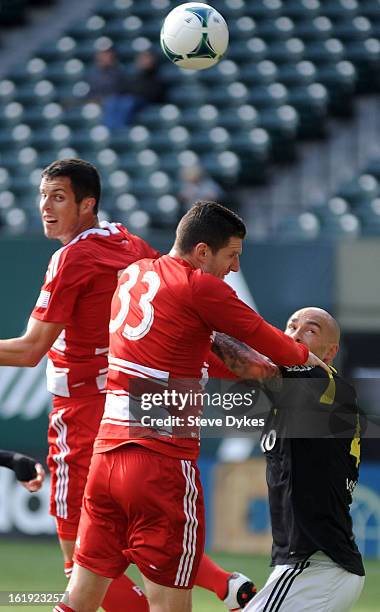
(65, 279)
(145, 251)
(221, 309)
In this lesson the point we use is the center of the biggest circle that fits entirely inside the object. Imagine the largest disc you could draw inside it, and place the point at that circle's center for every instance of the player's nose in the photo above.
(235, 265)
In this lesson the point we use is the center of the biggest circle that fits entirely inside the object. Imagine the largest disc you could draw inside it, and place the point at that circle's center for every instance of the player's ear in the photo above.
(87, 205)
(201, 251)
(331, 353)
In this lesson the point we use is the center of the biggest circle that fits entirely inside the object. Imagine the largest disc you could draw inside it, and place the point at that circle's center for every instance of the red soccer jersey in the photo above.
(162, 318)
(77, 292)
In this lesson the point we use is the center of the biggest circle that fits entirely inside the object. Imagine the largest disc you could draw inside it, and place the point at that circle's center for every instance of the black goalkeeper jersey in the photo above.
(312, 447)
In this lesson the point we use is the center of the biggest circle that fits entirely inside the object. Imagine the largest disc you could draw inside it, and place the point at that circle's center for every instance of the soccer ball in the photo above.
(194, 36)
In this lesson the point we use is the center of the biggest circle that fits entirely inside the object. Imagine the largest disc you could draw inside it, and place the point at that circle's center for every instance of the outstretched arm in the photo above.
(241, 359)
(28, 350)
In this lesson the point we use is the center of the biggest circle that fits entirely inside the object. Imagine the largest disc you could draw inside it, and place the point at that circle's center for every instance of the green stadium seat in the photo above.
(335, 207)
(262, 10)
(263, 73)
(40, 92)
(342, 226)
(298, 10)
(116, 9)
(365, 55)
(224, 167)
(254, 150)
(245, 117)
(67, 71)
(280, 28)
(311, 102)
(338, 10)
(224, 73)
(152, 186)
(91, 29)
(233, 9)
(202, 117)
(282, 124)
(175, 139)
(373, 167)
(11, 114)
(5, 180)
(215, 139)
(322, 52)
(34, 70)
(369, 215)
(142, 162)
(360, 190)
(358, 28)
(340, 80)
(231, 96)
(130, 139)
(152, 10)
(300, 228)
(319, 28)
(270, 96)
(188, 95)
(7, 91)
(60, 50)
(164, 211)
(242, 28)
(294, 75)
(157, 116)
(250, 51)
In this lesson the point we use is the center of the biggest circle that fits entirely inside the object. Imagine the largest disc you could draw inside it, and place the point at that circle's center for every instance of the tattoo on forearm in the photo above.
(236, 355)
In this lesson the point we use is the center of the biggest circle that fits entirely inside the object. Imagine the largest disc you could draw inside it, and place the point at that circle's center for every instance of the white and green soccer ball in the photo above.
(194, 36)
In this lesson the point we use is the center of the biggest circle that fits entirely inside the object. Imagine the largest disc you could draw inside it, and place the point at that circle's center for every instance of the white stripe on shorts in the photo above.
(283, 585)
(190, 530)
(62, 472)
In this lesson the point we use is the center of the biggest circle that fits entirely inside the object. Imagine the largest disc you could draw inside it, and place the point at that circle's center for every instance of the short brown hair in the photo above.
(208, 222)
(84, 177)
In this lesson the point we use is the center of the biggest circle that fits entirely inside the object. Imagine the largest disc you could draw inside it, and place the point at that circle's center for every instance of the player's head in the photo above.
(70, 192)
(317, 329)
(210, 236)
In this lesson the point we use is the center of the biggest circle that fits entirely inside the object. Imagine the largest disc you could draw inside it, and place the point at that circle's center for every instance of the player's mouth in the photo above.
(50, 221)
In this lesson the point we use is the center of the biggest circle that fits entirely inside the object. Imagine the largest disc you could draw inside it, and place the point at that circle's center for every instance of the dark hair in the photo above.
(84, 177)
(208, 222)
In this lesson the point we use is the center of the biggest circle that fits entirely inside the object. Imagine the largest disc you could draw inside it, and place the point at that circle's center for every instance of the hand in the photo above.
(36, 483)
(314, 361)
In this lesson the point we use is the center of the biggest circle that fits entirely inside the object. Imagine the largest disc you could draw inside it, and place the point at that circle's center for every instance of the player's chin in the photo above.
(49, 231)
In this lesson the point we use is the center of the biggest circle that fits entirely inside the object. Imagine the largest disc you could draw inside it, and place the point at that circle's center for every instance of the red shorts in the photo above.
(144, 508)
(73, 425)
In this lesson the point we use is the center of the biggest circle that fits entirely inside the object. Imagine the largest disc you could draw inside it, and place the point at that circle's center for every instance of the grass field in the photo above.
(33, 565)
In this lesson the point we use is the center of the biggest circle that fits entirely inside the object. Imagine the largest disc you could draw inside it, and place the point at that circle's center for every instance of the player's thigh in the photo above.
(85, 590)
(101, 539)
(163, 501)
(308, 586)
(73, 424)
(165, 599)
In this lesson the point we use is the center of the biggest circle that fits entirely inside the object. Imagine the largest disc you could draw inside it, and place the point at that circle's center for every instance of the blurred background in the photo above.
(285, 130)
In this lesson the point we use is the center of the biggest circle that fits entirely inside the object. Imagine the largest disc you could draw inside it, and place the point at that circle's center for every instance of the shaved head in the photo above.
(317, 329)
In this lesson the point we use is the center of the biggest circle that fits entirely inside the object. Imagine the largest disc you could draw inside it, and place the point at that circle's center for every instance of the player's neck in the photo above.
(188, 258)
(84, 227)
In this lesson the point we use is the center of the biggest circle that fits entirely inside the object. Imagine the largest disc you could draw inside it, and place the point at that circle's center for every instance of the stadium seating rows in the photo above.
(289, 65)
(353, 210)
